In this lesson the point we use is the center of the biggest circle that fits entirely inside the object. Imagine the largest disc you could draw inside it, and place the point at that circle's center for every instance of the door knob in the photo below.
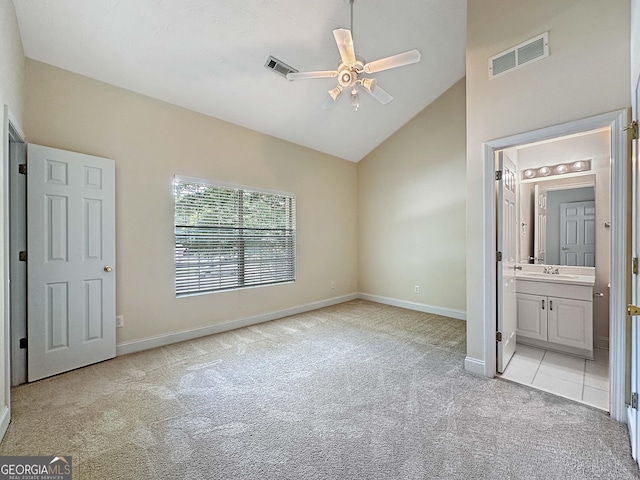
(633, 311)
(108, 268)
(565, 248)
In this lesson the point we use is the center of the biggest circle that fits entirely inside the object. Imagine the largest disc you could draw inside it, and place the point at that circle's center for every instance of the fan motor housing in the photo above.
(347, 75)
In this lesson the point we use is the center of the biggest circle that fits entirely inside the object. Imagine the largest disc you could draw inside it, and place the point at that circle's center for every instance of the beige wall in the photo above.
(587, 73)
(151, 141)
(411, 209)
(596, 147)
(11, 61)
(11, 94)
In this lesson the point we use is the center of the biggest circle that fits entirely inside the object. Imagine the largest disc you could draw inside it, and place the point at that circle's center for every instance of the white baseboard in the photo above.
(5, 418)
(473, 365)
(421, 307)
(601, 342)
(175, 337)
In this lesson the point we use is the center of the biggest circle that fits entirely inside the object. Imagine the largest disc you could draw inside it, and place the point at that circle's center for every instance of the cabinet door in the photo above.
(570, 322)
(532, 316)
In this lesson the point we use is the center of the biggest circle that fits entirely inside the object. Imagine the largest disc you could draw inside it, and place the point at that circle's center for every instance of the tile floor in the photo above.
(585, 381)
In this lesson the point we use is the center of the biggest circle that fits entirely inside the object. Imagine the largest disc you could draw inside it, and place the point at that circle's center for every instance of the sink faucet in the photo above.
(551, 271)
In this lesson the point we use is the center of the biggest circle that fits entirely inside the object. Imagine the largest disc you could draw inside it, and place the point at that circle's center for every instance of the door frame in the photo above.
(11, 131)
(615, 121)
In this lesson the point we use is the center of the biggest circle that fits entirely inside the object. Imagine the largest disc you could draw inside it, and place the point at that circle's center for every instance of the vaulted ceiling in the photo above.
(209, 56)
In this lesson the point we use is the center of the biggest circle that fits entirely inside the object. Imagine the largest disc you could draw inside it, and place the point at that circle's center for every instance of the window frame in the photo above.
(242, 243)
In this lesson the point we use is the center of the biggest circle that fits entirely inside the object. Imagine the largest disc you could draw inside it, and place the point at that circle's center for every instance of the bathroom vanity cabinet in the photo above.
(555, 316)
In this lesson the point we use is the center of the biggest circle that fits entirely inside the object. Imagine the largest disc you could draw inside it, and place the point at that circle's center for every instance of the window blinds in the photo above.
(230, 237)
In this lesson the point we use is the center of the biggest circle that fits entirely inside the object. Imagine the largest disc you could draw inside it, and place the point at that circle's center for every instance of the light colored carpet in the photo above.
(355, 391)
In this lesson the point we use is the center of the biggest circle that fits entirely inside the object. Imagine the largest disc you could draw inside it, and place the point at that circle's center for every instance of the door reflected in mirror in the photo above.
(558, 222)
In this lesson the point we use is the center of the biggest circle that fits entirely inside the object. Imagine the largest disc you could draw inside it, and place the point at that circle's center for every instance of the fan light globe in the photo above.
(335, 92)
(355, 99)
(369, 83)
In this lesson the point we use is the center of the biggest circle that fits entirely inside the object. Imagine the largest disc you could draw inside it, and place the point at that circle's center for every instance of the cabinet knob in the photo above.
(108, 268)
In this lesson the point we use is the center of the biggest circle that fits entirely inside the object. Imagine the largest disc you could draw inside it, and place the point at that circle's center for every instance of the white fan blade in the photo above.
(306, 75)
(379, 94)
(399, 60)
(345, 45)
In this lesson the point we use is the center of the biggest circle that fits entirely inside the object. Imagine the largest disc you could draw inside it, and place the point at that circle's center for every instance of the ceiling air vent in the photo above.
(534, 49)
(279, 67)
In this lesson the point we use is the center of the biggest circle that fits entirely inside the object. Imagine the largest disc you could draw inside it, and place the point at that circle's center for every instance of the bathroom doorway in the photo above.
(563, 249)
(611, 125)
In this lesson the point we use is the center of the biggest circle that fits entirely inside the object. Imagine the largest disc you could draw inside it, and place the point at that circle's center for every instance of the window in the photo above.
(230, 237)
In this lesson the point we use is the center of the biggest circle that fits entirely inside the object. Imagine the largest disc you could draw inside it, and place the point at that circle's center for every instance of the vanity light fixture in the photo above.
(559, 169)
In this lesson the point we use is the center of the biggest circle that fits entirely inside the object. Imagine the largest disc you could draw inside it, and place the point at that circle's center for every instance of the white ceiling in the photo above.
(209, 56)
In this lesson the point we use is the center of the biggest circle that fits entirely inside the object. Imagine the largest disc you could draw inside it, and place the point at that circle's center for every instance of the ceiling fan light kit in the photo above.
(351, 70)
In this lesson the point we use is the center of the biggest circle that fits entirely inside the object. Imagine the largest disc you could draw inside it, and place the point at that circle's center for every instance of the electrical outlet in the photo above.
(120, 321)
(416, 289)
(333, 285)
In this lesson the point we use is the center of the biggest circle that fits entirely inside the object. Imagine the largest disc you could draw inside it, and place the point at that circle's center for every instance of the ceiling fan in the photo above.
(352, 70)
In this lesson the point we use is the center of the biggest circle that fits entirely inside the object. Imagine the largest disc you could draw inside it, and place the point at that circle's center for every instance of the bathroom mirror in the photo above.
(557, 222)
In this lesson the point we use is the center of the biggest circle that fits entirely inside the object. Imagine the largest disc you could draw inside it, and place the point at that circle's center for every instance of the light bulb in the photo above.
(529, 173)
(544, 171)
(561, 169)
(578, 166)
(355, 99)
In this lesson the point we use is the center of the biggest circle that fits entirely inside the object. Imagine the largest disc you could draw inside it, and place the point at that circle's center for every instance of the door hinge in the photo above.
(22, 168)
(498, 336)
(22, 256)
(634, 265)
(499, 175)
(23, 343)
(633, 311)
(633, 129)
(634, 400)
(498, 256)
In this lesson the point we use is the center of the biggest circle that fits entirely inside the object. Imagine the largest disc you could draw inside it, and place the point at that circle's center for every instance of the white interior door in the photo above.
(540, 239)
(507, 321)
(632, 413)
(578, 234)
(71, 260)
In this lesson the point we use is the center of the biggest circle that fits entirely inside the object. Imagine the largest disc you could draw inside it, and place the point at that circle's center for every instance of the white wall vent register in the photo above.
(533, 49)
